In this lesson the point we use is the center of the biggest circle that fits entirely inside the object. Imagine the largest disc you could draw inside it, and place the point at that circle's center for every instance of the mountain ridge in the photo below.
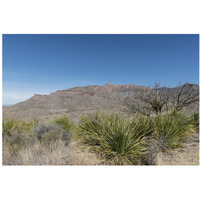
(75, 101)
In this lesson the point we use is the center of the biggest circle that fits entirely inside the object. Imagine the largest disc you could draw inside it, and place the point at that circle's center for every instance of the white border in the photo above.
(105, 16)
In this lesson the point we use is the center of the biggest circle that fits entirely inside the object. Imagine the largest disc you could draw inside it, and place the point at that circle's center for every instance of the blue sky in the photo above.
(45, 63)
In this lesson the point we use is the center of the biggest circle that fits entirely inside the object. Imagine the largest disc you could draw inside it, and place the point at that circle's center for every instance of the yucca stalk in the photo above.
(112, 138)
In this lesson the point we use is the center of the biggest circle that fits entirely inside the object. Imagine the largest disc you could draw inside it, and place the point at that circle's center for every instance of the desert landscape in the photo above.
(104, 125)
(100, 99)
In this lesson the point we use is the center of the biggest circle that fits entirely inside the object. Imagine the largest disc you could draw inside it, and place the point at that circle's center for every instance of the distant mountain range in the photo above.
(74, 101)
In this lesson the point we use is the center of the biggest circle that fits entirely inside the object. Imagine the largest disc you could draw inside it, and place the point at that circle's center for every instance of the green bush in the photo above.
(171, 130)
(112, 138)
(63, 121)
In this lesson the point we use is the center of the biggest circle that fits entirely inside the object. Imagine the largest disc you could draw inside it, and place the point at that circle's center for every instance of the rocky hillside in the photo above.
(74, 102)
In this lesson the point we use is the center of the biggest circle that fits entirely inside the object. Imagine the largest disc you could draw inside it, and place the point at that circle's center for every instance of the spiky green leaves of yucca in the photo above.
(11, 125)
(195, 121)
(112, 138)
(171, 130)
(63, 121)
(142, 125)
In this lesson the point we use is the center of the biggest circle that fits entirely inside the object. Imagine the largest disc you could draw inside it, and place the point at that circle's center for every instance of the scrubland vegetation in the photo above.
(157, 123)
(101, 138)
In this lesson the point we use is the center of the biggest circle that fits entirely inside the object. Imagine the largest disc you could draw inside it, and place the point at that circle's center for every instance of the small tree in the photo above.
(156, 99)
(184, 95)
(150, 100)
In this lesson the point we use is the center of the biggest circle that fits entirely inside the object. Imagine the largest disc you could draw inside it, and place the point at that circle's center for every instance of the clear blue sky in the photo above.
(45, 63)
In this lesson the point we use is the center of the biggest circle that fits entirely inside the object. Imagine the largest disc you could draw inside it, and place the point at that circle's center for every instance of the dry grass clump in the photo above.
(81, 156)
(55, 153)
(16, 141)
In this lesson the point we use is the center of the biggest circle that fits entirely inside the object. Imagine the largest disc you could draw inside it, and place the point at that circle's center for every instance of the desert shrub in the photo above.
(112, 138)
(171, 130)
(51, 132)
(63, 121)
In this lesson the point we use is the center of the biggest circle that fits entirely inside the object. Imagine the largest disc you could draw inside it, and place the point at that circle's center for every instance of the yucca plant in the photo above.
(171, 130)
(195, 121)
(63, 121)
(143, 125)
(8, 126)
(17, 125)
(156, 105)
(112, 138)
